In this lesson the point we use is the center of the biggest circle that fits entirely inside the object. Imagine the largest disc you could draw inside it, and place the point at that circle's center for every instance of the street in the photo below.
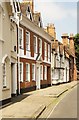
(67, 107)
(40, 103)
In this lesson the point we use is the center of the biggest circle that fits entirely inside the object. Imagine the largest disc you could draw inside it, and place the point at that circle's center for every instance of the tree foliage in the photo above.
(76, 43)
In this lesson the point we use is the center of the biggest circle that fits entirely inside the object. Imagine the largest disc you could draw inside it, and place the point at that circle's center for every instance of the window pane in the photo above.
(41, 72)
(20, 70)
(33, 72)
(27, 41)
(4, 75)
(45, 72)
(34, 44)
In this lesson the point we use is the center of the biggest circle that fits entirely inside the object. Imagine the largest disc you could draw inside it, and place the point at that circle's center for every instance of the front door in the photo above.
(38, 76)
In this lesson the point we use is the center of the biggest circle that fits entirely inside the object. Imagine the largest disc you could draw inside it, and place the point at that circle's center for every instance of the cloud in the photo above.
(52, 11)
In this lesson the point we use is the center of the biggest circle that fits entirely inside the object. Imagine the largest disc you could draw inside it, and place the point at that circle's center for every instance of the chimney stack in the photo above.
(71, 42)
(65, 39)
(51, 30)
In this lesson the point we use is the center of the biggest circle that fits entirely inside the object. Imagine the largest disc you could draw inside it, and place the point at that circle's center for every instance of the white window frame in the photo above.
(45, 72)
(33, 72)
(40, 46)
(41, 72)
(28, 72)
(4, 76)
(45, 50)
(28, 49)
(35, 46)
(21, 45)
(49, 52)
(21, 72)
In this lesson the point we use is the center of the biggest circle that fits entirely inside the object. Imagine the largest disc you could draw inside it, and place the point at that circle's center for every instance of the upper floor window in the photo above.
(27, 72)
(49, 52)
(21, 71)
(21, 37)
(45, 49)
(16, 6)
(33, 71)
(40, 46)
(4, 75)
(27, 40)
(28, 13)
(35, 44)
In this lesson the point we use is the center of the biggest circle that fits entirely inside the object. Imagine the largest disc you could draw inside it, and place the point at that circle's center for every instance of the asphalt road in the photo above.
(67, 107)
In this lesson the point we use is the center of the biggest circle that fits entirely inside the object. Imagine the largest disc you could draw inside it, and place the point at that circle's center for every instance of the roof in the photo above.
(35, 17)
(68, 51)
(34, 28)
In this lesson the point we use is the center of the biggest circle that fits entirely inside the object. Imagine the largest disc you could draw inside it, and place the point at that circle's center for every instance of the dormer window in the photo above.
(18, 9)
(28, 13)
(14, 6)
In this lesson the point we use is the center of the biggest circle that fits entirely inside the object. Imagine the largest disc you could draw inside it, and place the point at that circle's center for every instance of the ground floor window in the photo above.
(21, 71)
(41, 72)
(27, 72)
(4, 75)
(45, 72)
(33, 72)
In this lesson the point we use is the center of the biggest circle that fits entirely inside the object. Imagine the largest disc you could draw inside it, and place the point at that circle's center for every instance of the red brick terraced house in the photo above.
(34, 56)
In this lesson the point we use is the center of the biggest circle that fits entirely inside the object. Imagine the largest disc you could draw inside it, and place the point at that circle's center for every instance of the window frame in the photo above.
(45, 49)
(21, 71)
(28, 41)
(40, 46)
(45, 72)
(4, 76)
(33, 79)
(35, 46)
(28, 72)
(49, 50)
(41, 72)
(22, 44)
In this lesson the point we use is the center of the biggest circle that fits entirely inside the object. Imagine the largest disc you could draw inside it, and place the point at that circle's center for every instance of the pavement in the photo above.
(32, 104)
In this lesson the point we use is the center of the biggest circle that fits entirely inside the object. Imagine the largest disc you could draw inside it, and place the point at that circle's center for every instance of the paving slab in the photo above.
(35, 102)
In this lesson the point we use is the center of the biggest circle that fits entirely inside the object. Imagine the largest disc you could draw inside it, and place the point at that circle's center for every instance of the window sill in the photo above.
(4, 89)
(33, 80)
(27, 81)
(27, 50)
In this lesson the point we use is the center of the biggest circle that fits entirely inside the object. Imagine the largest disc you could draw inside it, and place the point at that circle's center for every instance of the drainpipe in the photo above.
(18, 64)
(19, 58)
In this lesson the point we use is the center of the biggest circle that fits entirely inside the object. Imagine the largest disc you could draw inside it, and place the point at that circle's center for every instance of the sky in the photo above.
(61, 13)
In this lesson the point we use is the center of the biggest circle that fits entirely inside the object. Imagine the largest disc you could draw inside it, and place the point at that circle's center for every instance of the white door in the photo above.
(38, 76)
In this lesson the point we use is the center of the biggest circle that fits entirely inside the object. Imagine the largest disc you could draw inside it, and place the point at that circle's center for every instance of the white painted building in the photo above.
(9, 21)
(60, 63)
